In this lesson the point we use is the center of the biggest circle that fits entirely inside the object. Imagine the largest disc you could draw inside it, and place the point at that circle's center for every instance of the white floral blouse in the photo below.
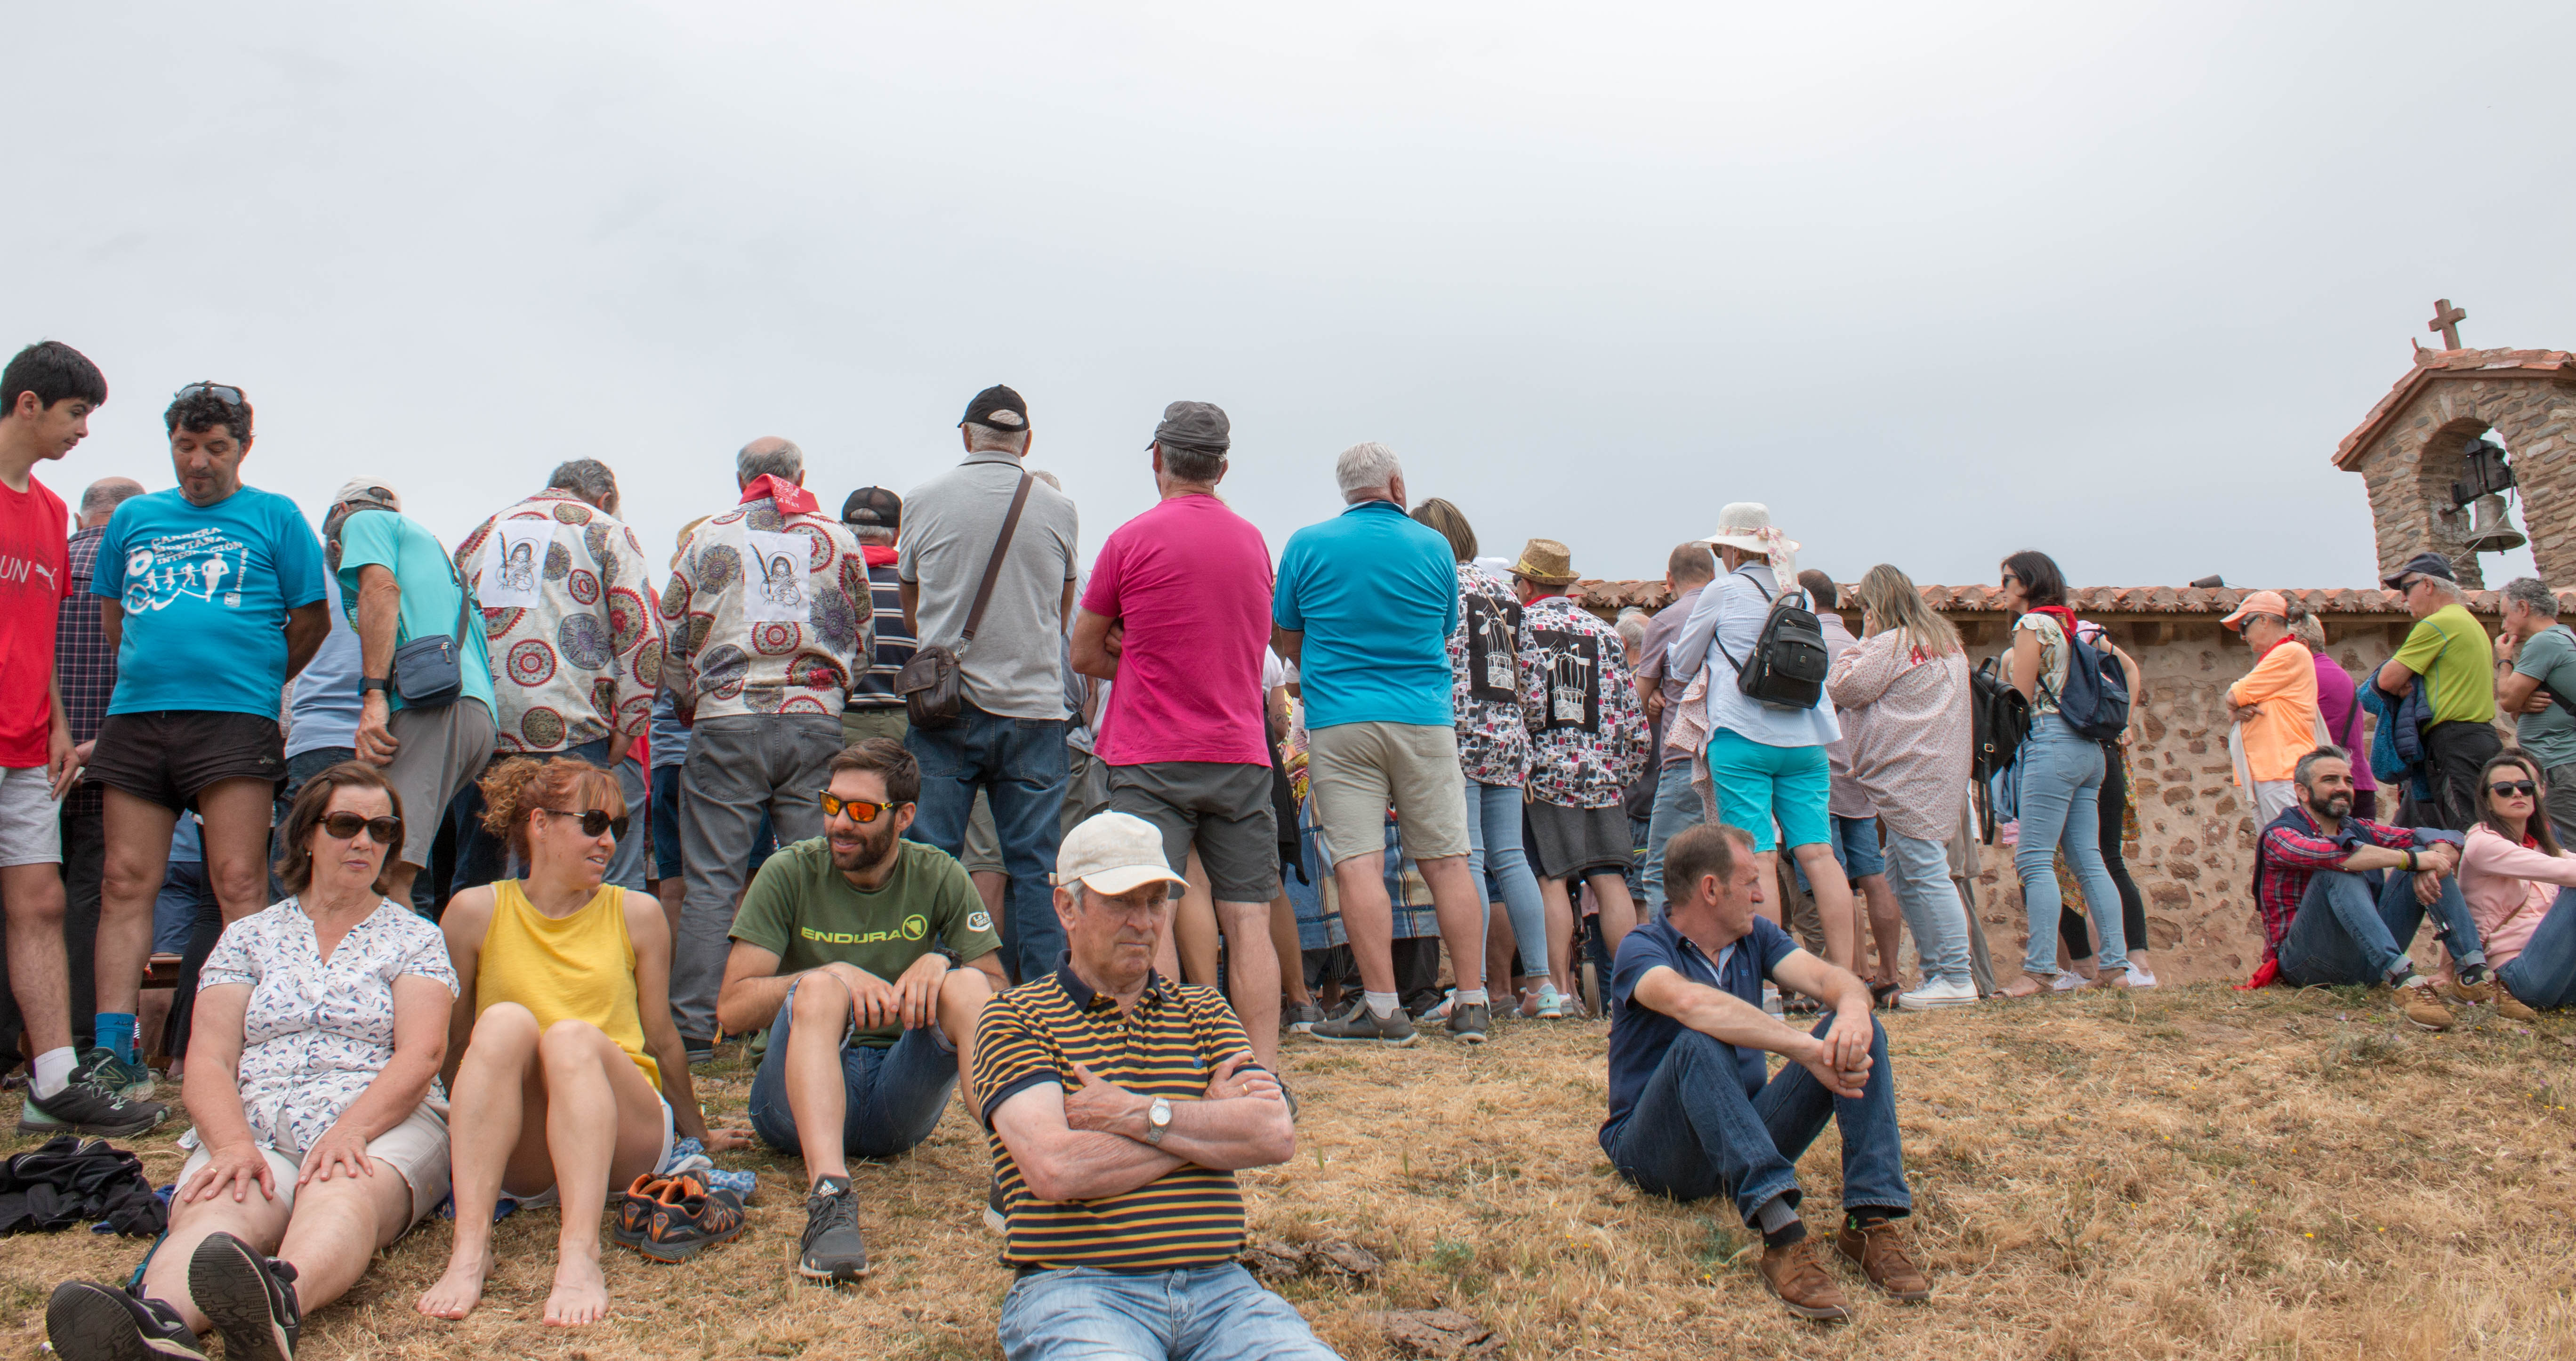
(317, 1031)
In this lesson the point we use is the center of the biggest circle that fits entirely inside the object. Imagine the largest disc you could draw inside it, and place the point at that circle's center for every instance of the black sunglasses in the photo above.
(222, 392)
(2525, 788)
(345, 826)
(594, 821)
(860, 811)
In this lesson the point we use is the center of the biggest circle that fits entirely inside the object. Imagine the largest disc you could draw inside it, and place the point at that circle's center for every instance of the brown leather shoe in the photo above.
(1880, 1252)
(2420, 1005)
(1794, 1274)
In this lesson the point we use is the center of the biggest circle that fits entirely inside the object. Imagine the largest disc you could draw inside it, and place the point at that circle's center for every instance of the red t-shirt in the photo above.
(1190, 580)
(35, 557)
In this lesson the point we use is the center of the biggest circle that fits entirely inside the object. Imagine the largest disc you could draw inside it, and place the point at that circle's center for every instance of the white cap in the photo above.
(1113, 853)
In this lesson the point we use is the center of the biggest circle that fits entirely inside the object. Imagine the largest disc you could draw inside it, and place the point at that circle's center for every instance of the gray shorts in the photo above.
(1222, 808)
(1565, 842)
(416, 1149)
(439, 751)
(1357, 770)
(31, 825)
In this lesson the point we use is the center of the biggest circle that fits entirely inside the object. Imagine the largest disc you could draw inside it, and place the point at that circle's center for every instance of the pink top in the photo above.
(2338, 705)
(1190, 582)
(2509, 889)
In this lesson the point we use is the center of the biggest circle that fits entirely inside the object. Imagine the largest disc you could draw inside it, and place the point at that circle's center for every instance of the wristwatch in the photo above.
(369, 683)
(1158, 1118)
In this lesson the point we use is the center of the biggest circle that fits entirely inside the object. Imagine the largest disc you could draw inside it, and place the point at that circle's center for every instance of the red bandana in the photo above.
(791, 499)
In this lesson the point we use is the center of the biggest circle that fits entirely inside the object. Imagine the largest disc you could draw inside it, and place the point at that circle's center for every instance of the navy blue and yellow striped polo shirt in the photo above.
(1168, 1044)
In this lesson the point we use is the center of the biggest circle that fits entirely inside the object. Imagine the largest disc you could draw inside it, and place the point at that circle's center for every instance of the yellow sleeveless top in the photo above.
(580, 967)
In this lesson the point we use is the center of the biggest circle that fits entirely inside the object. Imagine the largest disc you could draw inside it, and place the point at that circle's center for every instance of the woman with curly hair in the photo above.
(564, 1072)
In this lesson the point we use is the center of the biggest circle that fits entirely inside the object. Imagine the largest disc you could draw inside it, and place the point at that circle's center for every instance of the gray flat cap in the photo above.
(1195, 425)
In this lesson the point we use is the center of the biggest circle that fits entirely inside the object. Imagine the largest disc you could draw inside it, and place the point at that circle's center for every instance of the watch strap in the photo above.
(373, 684)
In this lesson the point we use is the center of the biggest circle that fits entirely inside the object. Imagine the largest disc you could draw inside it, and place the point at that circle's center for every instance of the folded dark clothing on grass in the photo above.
(70, 1181)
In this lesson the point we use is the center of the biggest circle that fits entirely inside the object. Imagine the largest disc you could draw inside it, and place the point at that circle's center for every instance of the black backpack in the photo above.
(2096, 699)
(1999, 718)
(1788, 663)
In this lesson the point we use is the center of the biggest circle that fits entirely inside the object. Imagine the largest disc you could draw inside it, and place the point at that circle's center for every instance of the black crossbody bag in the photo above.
(933, 684)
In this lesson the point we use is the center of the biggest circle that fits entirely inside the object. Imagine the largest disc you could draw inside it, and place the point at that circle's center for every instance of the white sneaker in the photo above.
(2069, 982)
(1936, 993)
(1551, 1003)
(2140, 978)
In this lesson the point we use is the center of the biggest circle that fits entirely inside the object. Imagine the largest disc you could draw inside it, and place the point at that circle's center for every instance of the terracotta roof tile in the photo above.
(1612, 596)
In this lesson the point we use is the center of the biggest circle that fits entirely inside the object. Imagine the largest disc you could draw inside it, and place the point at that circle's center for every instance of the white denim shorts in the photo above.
(31, 827)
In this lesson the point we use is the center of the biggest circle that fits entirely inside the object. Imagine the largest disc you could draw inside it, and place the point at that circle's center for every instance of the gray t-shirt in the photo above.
(2550, 657)
(949, 524)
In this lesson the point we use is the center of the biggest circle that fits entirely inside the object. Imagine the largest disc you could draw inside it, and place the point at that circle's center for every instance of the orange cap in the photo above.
(2260, 602)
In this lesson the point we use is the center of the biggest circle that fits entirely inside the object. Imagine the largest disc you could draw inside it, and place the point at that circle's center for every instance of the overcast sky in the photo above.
(1935, 282)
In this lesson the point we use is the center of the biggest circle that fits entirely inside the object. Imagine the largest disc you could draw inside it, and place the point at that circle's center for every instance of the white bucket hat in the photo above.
(1747, 525)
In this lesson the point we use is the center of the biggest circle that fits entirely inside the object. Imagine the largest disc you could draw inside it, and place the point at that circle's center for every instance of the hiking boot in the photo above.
(832, 1250)
(250, 1298)
(1874, 1245)
(672, 1219)
(1937, 993)
(1469, 1022)
(1794, 1274)
(1360, 1024)
(132, 1081)
(86, 1321)
(2421, 1006)
(2510, 1007)
(86, 1106)
(997, 1217)
(1298, 1018)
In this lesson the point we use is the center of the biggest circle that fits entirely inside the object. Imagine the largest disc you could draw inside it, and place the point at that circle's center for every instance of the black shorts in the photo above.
(170, 756)
(1221, 808)
(1566, 842)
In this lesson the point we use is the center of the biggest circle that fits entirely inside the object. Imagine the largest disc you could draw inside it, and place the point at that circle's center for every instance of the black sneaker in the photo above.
(1469, 1022)
(249, 1298)
(132, 1081)
(997, 1219)
(87, 1105)
(832, 1249)
(87, 1321)
(1361, 1024)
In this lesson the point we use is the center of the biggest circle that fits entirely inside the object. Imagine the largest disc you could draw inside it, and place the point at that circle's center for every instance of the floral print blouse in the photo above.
(1485, 680)
(1587, 731)
(317, 1031)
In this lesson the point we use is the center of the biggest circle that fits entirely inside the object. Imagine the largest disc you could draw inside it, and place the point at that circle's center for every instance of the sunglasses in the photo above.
(2510, 788)
(222, 392)
(860, 810)
(345, 827)
(594, 821)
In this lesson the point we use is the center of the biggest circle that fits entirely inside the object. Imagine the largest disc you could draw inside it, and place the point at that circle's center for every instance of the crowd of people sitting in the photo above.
(467, 857)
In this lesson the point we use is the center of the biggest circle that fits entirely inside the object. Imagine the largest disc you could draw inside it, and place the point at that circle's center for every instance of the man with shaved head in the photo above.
(769, 625)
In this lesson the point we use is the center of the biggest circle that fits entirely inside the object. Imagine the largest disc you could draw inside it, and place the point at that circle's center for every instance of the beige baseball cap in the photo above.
(1113, 853)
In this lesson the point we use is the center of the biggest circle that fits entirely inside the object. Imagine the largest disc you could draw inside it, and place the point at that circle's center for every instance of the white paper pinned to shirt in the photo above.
(514, 564)
(776, 573)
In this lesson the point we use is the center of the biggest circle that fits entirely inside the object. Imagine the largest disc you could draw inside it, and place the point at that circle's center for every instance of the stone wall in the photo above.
(2409, 450)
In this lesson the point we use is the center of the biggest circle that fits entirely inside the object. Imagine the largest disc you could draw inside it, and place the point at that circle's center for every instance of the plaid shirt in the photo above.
(2292, 851)
(84, 665)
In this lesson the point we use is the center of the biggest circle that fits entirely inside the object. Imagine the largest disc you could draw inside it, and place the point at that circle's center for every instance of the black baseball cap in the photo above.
(2422, 564)
(874, 508)
(998, 407)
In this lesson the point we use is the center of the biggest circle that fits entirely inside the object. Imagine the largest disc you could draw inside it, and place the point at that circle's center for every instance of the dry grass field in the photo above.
(2184, 1172)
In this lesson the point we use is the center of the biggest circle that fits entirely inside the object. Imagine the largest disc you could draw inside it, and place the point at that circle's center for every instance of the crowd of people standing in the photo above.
(495, 843)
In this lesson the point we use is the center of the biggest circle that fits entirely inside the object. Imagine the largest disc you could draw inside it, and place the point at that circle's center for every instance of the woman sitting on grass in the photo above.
(2516, 881)
(567, 988)
(313, 1079)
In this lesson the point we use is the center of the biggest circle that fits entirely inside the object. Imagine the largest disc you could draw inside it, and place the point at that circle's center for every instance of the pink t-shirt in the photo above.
(1190, 581)
(34, 557)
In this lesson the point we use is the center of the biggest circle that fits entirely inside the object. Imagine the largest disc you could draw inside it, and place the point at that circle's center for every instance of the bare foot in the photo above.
(2024, 987)
(459, 1290)
(581, 1293)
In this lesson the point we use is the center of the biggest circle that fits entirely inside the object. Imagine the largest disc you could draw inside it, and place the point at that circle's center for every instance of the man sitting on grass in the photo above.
(2341, 896)
(1691, 1115)
(1120, 1105)
(842, 949)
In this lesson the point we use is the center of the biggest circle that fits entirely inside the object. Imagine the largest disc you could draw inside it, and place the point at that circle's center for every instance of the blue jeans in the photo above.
(1694, 1133)
(2544, 974)
(186, 900)
(1677, 810)
(2061, 809)
(1919, 870)
(891, 1098)
(1494, 845)
(1209, 1313)
(1020, 764)
(2347, 931)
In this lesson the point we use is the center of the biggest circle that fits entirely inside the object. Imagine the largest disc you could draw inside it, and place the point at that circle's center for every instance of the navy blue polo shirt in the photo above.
(1640, 1037)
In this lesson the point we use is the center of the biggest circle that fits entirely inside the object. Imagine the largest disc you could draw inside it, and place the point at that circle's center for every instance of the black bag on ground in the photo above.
(1786, 668)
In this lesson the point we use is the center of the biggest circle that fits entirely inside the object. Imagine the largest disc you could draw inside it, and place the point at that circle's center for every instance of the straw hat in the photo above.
(1747, 525)
(1546, 562)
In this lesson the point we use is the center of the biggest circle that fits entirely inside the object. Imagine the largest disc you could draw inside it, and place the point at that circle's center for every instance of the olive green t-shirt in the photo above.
(809, 914)
(2451, 652)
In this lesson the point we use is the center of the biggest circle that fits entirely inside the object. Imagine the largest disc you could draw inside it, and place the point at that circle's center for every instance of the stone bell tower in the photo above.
(2417, 454)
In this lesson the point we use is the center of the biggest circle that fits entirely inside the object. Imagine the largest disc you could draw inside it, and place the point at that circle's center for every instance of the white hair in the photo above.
(786, 462)
(980, 436)
(1365, 467)
(1632, 627)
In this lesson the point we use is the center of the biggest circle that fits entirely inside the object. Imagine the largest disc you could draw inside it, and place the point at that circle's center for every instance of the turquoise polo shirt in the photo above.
(1376, 595)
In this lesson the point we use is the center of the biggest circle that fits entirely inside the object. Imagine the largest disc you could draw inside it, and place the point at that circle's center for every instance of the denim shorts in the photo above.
(1757, 783)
